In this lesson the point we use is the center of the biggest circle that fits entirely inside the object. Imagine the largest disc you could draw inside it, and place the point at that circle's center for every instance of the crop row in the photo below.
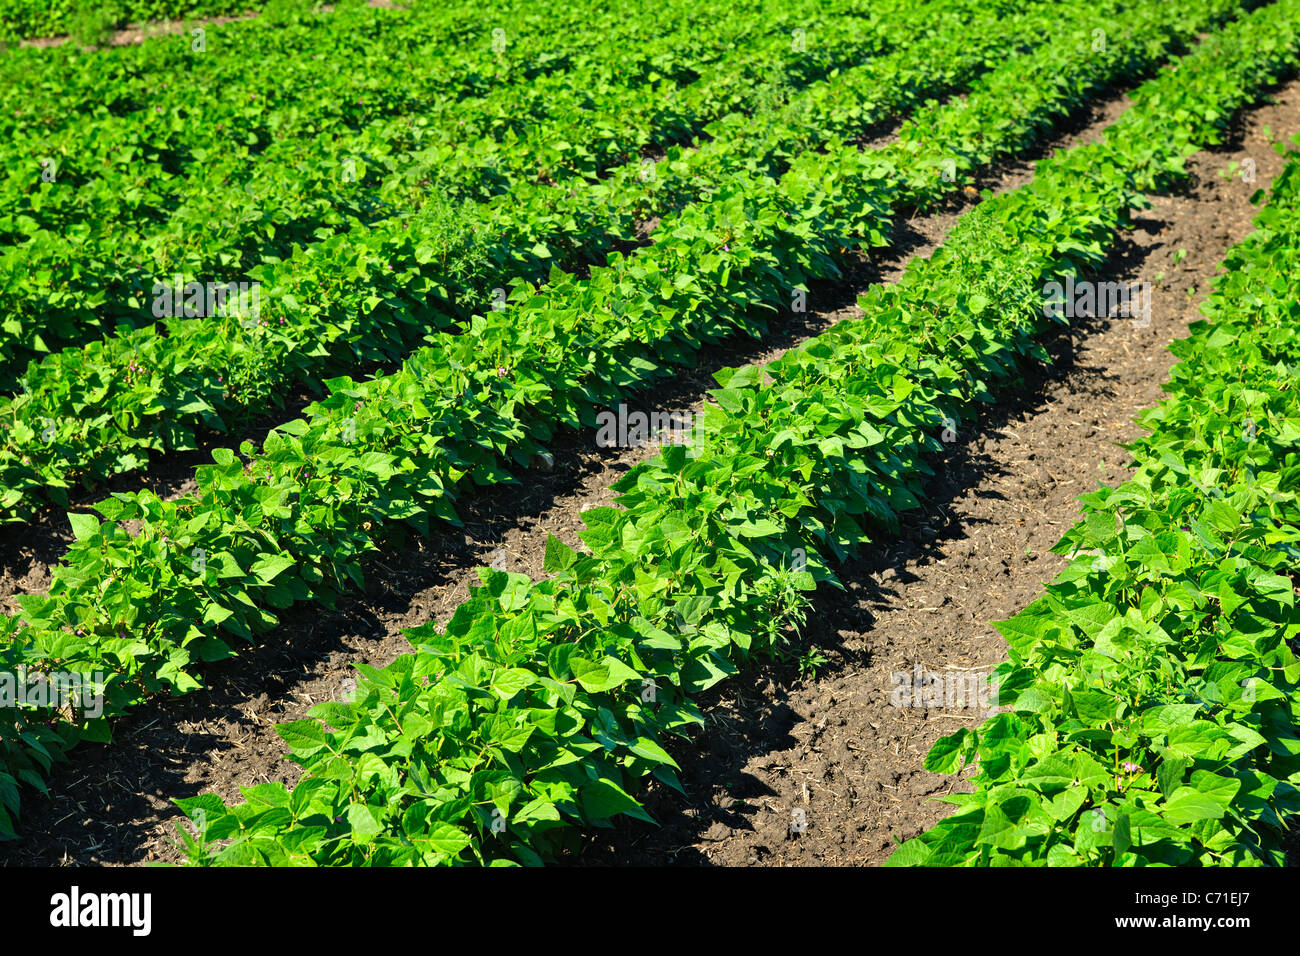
(543, 705)
(115, 215)
(102, 410)
(292, 522)
(300, 115)
(1150, 702)
(120, 648)
(547, 336)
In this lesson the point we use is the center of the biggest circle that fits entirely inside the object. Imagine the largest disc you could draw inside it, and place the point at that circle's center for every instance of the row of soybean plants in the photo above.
(541, 706)
(96, 219)
(105, 409)
(56, 91)
(291, 522)
(1151, 705)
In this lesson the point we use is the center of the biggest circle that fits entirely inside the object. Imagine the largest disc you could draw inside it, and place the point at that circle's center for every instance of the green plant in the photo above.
(809, 663)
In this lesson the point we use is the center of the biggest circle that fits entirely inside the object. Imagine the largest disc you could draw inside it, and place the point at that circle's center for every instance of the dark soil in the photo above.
(832, 745)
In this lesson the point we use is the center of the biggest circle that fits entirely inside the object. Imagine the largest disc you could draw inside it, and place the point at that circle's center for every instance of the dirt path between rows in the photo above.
(769, 731)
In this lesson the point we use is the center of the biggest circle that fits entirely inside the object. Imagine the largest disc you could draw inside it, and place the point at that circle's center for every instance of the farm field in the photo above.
(854, 433)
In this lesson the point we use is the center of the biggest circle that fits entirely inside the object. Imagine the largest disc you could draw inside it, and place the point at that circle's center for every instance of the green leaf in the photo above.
(84, 526)
(363, 823)
(303, 736)
(946, 754)
(647, 748)
(268, 566)
(1208, 798)
(602, 799)
(559, 556)
(510, 681)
